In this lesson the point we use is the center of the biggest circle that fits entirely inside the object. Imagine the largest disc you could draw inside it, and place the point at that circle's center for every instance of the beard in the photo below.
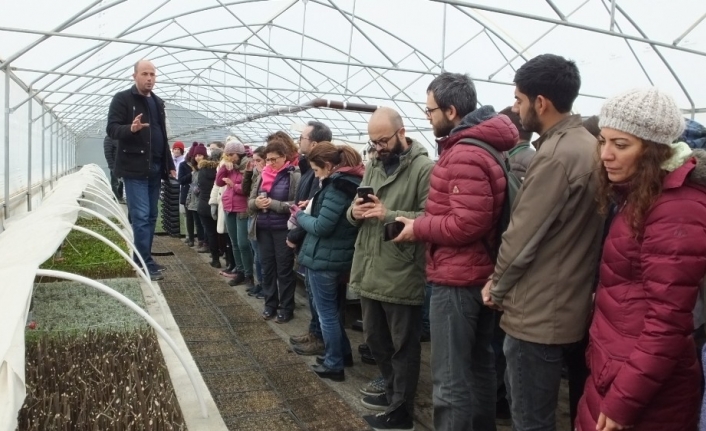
(443, 129)
(531, 122)
(386, 154)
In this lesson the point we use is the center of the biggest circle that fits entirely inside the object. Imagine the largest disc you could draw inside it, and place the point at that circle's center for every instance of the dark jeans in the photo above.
(277, 261)
(532, 377)
(116, 185)
(237, 226)
(462, 359)
(255, 255)
(500, 362)
(314, 323)
(392, 331)
(209, 226)
(325, 288)
(142, 197)
(425, 309)
(193, 219)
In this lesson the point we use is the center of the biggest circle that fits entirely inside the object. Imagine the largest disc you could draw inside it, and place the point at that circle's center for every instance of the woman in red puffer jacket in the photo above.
(644, 371)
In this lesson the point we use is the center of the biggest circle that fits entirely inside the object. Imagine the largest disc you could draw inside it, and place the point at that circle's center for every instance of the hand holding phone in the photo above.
(392, 229)
(363, 193)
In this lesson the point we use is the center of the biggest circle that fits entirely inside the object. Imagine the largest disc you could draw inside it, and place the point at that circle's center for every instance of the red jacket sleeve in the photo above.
(673, 257)
(466, 180)
(222, 173)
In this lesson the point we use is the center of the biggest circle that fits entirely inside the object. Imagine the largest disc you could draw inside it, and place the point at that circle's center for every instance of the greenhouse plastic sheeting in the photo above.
(24, 246)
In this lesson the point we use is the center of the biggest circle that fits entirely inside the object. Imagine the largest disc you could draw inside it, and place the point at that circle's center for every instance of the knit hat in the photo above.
(647, 113)
(180, 145)
(234, 147)
(216, 154)
(200, 149)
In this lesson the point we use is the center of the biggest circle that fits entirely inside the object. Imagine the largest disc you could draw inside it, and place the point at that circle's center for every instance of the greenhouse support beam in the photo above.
(688, 30)
(612, 15)
(29, 153)
(6, 116)
(569, 24)
(556, 10)
(142, 313)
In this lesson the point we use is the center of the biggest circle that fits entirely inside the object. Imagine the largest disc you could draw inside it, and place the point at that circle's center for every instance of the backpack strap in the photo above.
(517, 149)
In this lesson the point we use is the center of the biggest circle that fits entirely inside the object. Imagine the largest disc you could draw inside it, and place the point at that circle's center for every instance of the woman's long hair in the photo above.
(338, 155)
(644, 187)
(282, 137)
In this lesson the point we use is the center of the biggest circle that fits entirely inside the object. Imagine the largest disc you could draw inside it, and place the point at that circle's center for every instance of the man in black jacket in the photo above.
(110, 147)
(136, 119)
(311, 343)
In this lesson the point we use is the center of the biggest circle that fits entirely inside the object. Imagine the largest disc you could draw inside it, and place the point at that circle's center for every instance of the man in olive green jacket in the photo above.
(389, 277)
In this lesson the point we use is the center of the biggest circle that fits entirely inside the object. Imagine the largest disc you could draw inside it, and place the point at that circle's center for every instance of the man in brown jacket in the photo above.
(545, 271)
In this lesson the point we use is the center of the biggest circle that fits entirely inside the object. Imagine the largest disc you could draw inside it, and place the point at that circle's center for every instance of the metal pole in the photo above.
(6, 203)
(51, 153)
(44, 134)
(612, 15)
(29, 153)
(443, 40)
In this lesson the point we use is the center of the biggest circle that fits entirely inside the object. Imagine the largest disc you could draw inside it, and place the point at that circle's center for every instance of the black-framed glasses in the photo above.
(428, 111)
(382, 142)
(273, 159)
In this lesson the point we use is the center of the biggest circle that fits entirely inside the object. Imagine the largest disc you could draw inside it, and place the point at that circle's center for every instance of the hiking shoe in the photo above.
(375, 402)
(347, 360)
(314, 347)
(302, 339)
(327, 373)
(398, 420)
(157, 267)
(249, 283)
(374, 387)
(215, 263)
(237, 280)
(255, 290)
(203, 249)
(284, 316)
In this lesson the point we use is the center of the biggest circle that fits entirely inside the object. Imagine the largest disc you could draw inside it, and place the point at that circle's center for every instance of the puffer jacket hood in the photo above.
(356, 171)
(208, 164)
(485, 125)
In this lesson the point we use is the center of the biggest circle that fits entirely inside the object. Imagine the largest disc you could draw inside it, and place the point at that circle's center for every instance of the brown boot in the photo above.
(314, 347)
(301, 339)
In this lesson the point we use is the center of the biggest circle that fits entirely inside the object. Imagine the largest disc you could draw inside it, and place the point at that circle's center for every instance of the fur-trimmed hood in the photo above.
(206, 163)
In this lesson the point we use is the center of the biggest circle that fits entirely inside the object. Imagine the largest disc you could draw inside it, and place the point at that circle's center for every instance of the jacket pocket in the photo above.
(603, 367)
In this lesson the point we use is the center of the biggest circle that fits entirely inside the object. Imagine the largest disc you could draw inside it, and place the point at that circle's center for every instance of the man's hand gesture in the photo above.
(136, 125)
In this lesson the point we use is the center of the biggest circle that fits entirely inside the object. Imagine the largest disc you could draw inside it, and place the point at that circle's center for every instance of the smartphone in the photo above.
(392, 229)
(363, 193)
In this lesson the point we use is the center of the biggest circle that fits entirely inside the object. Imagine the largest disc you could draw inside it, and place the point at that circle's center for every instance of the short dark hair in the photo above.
(551, 76)
(319, 132)
(260, 151)
(524, 134)
(454, 89)
(277, 147)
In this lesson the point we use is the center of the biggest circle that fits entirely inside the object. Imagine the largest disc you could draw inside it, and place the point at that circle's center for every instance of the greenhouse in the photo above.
(190, 351)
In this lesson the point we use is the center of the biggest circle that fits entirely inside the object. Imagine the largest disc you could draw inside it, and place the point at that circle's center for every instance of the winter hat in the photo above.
(200, 149)
(233, 146)
(647, 113)
(180, 145)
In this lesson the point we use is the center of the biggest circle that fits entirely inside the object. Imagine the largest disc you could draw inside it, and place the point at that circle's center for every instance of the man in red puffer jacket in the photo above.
(466, 197)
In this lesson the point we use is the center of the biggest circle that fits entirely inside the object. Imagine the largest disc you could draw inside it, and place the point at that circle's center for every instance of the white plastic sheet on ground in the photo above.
(24, 246)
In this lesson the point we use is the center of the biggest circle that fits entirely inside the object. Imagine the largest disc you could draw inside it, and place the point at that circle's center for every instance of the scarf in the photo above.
(269, 175)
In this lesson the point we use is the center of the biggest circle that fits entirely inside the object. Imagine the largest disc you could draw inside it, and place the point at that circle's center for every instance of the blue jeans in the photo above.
(242, 253)
(532, 378)
(142, 198)
(462, 359)
(255, 254)
(314, 323)
(327, 300)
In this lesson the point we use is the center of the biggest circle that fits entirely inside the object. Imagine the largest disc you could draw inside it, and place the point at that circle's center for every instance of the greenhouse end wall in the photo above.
(41, 150)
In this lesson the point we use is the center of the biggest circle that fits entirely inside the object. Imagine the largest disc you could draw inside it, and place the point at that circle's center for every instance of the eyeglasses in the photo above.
(428, 111)
(273, 159)
(382, 142)
(301, 138)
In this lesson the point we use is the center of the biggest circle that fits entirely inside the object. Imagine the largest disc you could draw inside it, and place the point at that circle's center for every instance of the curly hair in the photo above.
(645, 186)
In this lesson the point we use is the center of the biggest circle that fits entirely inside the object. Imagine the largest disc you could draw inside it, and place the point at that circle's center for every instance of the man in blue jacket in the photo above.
(136, 119)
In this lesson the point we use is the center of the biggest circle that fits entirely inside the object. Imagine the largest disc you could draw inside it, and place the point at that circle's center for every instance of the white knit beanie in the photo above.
(647, 113)
(234, 146)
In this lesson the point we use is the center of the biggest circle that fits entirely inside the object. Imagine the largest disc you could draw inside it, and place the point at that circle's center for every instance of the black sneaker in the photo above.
(255, 290)
(157, 267)
(327, 373)
(377, 402)
(237, 280)
(215, 263)
(156, 276)
(347, 360)
(398, 420)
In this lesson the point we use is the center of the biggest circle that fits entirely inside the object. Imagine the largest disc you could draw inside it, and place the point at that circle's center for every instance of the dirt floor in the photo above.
(255, 378)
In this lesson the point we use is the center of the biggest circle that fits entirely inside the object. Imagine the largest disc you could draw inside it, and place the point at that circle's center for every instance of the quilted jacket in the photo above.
(644, 369)
(328, 244)
(235, 199)
(466, 196)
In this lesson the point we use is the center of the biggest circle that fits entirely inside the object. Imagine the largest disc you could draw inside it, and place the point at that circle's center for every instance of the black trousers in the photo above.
(209, 226)
(116, 185)
(193, 219)
(278, 280)
(393, 331)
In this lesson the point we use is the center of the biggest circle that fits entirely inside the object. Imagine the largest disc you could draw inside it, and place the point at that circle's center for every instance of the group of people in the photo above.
(598, 269)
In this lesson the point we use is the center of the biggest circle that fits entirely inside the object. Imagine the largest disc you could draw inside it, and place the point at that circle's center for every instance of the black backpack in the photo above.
(512, 188)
